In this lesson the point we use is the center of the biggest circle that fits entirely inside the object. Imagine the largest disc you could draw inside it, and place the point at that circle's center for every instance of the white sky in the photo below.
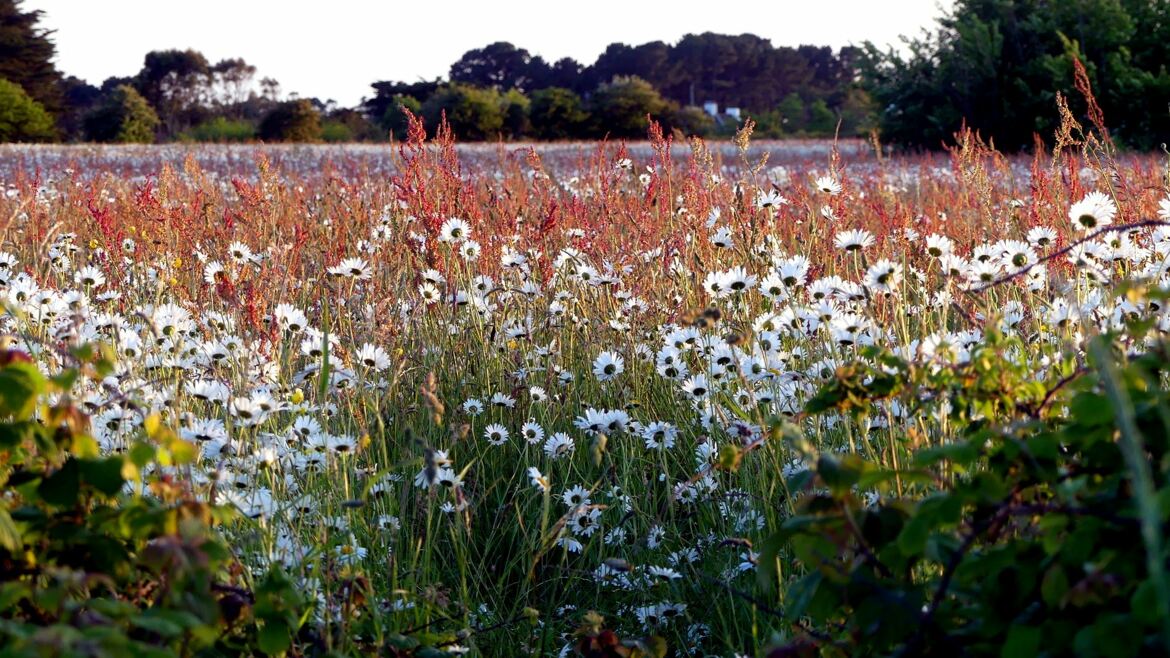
(334, 49)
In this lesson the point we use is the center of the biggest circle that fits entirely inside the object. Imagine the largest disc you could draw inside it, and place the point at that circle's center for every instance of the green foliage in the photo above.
(125, 117)
(515, 108)
(556, 113)
(997, 64)
(473, 113)
(691, 120)
(793, 117)
(92, 565)
(347, 125)
(221, 130)
(175, 83)
(1039, 535)
(292, 121)
(624, 107)
(336, 132)
(395, 118)
(26, 55)
(821, 120)
(22, 119)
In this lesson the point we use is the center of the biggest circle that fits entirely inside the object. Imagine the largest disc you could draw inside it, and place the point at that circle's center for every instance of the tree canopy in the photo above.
(998, 65)
(26, 54)
(22, 119)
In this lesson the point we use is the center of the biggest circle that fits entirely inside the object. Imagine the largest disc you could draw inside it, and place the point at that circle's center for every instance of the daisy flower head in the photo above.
(854, 240)
(354, 268)
(828, 185)
(538, 480)
(608, 365)
(373, 357)
(576, 497)
(454, 230)
(558, 445)
(659, 435)
(939, 245)
(496, 434)
(770, 199)
(470, 250)
(532, 432)
(883, 276)
(1092, 212)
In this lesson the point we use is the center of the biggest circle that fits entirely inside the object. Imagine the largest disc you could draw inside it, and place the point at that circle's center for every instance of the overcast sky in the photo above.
(334, 49)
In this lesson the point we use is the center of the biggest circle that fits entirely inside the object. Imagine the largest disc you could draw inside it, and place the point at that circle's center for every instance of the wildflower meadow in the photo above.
(604, 399)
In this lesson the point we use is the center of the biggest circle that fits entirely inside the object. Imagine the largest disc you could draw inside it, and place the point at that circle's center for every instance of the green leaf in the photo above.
(12, 593)
(1022, 642)
(65, 380)
(20, 384)
(323, 377)
(957, 453)
(141, 454)
(912, 539)
(62, 487)
(840, 474)
(14, 434)
(1090, 409)
(9, 536)
(1054, 586)
(105, 475)
(155, 624)
(274, 637)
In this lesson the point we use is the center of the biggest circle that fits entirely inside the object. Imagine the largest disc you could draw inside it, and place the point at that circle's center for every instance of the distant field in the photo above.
(305, 159)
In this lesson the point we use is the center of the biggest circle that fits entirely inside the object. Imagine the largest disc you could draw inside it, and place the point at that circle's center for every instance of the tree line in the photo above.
(994, 64)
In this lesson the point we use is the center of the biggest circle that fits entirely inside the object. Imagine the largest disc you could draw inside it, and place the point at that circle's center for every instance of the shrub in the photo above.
(556, 113)
(124, 117)
(473, 113)
(22, 119)
(347, 125)
(1038, 536)
(111, 555)
(692, 120)
(514, 105)
(336, 132)
(221, 130)
(292, 121)
(620, 108)
(395, 119)
(822, 122)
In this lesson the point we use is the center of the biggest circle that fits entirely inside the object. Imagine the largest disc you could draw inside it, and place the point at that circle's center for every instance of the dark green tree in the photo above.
(515, 107)
(792, 115)
(500, 65)
(177, 83)
(292, 121)
(998, 64)
(124, 117)
(691, 121)
(26, 55)
(473, 113)
(556, 113)
(22, 119)
(79, 98)
(620, 108)
(395, 119)
(822, 122)
(388, 96)
(349, 125)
